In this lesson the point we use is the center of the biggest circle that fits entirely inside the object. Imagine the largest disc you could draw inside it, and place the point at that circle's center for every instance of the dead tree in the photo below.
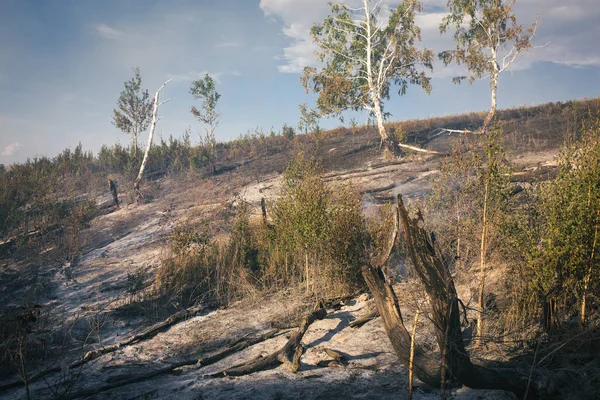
(155, 119)
(263, 208)
(112, 185)
(433, 270)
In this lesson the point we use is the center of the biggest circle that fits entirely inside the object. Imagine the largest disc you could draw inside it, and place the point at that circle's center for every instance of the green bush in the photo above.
(556, 237)
(321, 236)
(317, 238)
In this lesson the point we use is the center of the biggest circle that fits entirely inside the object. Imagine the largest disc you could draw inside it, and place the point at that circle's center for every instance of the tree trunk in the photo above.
(412, 356)
(588, 277)
(494, 89)
(135, 144)
(113, 189)
(306, 273)
(155, 118)
(433, 271)
(357, 323)
(482, 258)
(129, 379)
(263, 209)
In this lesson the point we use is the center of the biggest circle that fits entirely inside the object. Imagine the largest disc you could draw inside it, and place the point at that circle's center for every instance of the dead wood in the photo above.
(433, 270)
(112, 185)
(289, 354)
(337, 356)
(93, 354)
(146, 333)
(263, 208)
(372, 314)
(235, 347)
(379, 189)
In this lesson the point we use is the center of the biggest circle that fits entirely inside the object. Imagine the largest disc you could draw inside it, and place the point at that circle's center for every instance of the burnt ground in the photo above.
(82, 302)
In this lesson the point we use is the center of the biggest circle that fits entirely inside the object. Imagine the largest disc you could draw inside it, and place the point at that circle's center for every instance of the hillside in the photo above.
(103, 289)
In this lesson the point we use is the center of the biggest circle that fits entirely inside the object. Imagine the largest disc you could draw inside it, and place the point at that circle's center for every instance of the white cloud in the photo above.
(571, 29)
(298, 16)
(108, 32)
(11, 149)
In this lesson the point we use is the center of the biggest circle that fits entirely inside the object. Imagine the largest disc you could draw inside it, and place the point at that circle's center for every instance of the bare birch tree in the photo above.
(363, 56)
(155, 118)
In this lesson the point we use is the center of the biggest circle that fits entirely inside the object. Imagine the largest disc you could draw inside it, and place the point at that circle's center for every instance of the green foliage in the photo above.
(308, 222)
(134, 109)
(556, 235)
(188, 238)
(288, 132)
(300, 213)
(459, 193)
(496, 170)
(312, 224)
(309, 119)
(363, 60)
(204, 89)
(136, 282)
(483, 28)
(455, 198)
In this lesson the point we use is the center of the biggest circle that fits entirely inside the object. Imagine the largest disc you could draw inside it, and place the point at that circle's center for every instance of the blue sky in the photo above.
(63, 64)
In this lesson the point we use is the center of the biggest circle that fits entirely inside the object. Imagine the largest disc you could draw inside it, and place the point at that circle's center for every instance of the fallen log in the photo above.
(146, 333)
(289, 354)
(93, 354)
(357, 323)
(236, 346)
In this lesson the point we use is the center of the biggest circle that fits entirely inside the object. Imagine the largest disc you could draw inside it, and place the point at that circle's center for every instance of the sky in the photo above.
(63, 64)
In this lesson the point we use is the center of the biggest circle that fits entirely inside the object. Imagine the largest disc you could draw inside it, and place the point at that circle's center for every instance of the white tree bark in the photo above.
(155, 119)
(376, 81)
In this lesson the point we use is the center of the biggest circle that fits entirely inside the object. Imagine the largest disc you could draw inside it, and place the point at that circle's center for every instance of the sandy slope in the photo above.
(87, 292)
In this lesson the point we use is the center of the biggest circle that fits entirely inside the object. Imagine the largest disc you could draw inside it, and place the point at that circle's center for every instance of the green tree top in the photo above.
(488, 39)
(134, 108)
(363, 56)
(204, 89)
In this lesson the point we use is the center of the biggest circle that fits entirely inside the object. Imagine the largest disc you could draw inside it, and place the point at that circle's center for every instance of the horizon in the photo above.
(65, 64)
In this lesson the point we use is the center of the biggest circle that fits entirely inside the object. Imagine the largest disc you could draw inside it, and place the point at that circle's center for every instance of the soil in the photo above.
(84, 303)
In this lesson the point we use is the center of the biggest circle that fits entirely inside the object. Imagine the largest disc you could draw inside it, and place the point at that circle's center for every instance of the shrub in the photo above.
(322, 237)
(288, 132)
(556, 237)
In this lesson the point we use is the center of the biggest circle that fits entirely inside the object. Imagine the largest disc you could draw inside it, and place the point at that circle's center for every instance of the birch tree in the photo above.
(488, 40)
(363, 56)
(155, 118)
(134, 108)
(204, 89)
(309, 119)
